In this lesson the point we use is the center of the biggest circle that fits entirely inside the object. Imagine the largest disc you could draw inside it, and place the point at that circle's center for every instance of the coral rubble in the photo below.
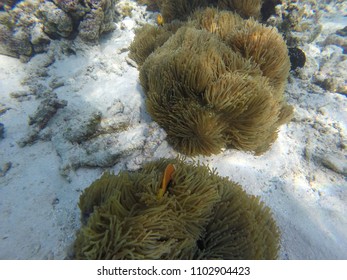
(38, 121)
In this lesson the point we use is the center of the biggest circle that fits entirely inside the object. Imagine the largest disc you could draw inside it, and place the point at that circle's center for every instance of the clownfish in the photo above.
(160, 20)
(169, 170)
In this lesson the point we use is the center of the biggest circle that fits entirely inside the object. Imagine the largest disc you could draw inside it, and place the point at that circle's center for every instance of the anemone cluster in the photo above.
(200, 216)
(181, 9)
(214, 82)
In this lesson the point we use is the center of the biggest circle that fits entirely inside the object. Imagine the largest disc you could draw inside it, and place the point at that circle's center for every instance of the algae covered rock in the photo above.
(217, 82)
(98, 21)
(200, 216)
(56, 22)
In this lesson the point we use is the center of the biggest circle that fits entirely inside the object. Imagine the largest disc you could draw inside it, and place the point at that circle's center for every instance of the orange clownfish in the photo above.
(160, 20)
(169, 170)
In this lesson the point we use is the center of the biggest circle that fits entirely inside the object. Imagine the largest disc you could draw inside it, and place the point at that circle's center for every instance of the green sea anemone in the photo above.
(182, 9)
(200, 216)
(207, 95)
(150, 37)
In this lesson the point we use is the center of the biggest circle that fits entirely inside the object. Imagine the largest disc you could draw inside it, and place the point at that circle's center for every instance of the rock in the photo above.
(337, 40)
(3, 109)
(76, 8)
(6, 42)
(98, 21)
(342, 32)
(56, 83)
(19, 31)
(21, 95)
(89, 28)
(298, 21)
(336, 163)
(30, 138)
(2, 131)
(14, 42)
(46, 110)
(38, 121)
(79, 130)
(21, 40)
(39, 39)
(56, 22)
(331, 75)
(5, 168)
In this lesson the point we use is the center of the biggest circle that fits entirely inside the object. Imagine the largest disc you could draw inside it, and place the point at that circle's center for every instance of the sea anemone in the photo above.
(150, 37)
(200, 216)
(208, 96)
(182, 9)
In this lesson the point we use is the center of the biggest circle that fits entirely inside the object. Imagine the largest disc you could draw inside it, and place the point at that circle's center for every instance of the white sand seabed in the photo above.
(302, 178)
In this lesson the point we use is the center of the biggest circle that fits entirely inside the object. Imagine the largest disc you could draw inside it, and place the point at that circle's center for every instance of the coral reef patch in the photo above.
(30, 26)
